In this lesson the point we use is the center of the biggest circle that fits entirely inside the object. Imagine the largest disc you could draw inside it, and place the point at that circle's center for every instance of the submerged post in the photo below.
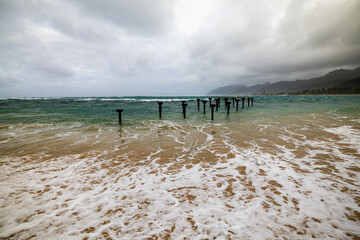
(248, 101)
(210, 98)
(184, 104)
(204, 102)
(228, 107)
(217, 100)
(198, 102)
(252, 101)
(226, 101)
(243, 101)
(119, 113)
(160, 108)
(233, 102)
(237, 104)
(212, 111)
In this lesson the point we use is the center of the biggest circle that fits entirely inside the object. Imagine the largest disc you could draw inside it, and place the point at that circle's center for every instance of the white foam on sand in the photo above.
(347, 133)
(249, 193)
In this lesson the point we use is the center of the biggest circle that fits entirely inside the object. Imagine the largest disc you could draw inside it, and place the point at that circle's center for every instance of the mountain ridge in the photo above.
(339, 78)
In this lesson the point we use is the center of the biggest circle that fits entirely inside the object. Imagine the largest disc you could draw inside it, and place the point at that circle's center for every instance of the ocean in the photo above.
(287, 167)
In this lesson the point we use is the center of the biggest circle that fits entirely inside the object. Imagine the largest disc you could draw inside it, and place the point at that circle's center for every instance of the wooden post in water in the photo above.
(233, 102)
(226, 101)
(198, 102)
(228, 107)
(184, 104)
(237, 104)
(248, 101)
(119, 113)
(212, 111)
(243, 102)
(217, 100)
(210, 98)
(252, 101)
(160, 108)
(204, 102)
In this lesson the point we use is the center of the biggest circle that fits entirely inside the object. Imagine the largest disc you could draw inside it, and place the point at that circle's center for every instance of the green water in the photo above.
(102, 110)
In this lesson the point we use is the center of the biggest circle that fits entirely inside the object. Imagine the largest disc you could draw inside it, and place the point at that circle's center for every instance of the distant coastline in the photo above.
(327, 91)
(339, 81)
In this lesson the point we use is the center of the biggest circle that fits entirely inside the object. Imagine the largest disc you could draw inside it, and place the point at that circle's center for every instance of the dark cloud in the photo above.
(301, 37)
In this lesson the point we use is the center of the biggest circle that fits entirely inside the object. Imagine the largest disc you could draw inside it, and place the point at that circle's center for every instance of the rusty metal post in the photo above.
(184, 104)
(217, 100)
(237, 104)
(198, 103)
(204, 102)
(212, 111)
(160, 108)
(228, 107)
(119, 111)
(226, 101)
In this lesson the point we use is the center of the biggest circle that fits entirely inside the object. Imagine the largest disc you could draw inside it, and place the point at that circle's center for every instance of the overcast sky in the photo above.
(170, 47)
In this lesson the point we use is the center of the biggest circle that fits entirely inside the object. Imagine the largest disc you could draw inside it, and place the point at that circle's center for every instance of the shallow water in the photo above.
(288, 167)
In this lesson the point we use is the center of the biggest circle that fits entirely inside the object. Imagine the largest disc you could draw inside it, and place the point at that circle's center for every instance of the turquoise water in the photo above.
(287, 167)
(101, 110)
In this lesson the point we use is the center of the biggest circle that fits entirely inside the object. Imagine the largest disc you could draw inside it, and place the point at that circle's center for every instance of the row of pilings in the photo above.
(213, 107)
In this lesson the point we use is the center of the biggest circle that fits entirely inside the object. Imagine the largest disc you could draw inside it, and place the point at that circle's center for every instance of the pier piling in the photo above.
(212, 106)
(119, 113)
(184, 104)
(237, 104)
(160, 108)
(198, 103)
(212, 111)
(228, 107)
(226, 101)
(204, 102)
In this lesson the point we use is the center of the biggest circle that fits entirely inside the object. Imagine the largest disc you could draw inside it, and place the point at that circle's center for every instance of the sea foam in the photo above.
(169, 180)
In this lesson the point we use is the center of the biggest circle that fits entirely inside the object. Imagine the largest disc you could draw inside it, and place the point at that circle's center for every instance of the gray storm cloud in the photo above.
(83, 48)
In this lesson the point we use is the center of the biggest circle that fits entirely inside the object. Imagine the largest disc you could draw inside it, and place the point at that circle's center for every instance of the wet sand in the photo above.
(285, 177)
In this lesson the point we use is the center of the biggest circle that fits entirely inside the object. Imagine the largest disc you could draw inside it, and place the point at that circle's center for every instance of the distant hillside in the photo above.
(237, 89)
(341, 78)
